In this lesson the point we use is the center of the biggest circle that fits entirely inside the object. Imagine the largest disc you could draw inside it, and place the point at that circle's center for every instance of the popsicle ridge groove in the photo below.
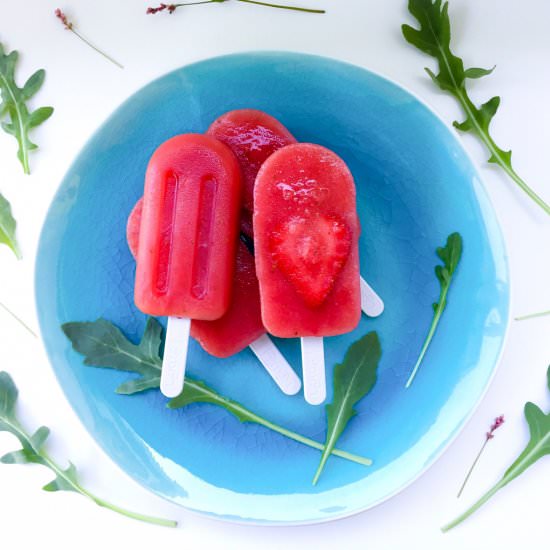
(203, 236)
(169, 206)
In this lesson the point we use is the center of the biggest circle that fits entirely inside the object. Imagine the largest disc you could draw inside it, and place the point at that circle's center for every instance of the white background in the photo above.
(84, 89)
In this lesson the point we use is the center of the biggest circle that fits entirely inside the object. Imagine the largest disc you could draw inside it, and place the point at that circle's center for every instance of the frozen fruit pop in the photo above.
(253, 136)
(306, 248)
(187, 241)
(241, 325)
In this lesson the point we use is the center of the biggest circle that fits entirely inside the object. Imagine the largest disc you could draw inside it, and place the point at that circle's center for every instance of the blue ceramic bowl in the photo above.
(415, 185)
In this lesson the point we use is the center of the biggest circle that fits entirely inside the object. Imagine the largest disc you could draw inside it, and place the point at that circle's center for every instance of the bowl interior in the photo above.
(415, 185)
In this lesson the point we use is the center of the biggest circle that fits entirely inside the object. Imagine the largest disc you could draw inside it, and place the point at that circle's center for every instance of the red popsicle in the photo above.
(187, 240)
(241, 326)
(306, 233)
(253, 136)
(189, 229)
(242, 323)
(306, 248)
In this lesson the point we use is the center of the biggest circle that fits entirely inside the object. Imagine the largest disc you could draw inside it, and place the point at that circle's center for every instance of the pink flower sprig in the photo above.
(70, 27)
(498, 422)
(171, 8)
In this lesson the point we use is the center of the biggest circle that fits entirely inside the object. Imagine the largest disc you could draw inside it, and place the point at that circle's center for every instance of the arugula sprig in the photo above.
(353, 380)
(13, 104)
(33, 452)
(450, 254)
(104, 345)
(537, 447)
(7, 227)
(434, 38)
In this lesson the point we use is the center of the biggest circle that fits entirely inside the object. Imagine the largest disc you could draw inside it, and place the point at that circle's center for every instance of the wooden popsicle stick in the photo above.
(313, 369)
(371, 304)
(276, 365)
(172, 375)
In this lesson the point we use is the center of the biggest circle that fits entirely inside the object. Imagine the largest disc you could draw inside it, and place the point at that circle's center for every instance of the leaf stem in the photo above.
(467, 105)
(128, 513)
(473, 508)
(18, 319)
(533, 315)
(99, 501)
(440, 307)
(86, 41)
(310, 442)
(253, 417)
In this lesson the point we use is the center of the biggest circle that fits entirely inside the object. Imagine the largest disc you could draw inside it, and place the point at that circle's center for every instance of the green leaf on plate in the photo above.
(450, 254)
(353, 379)
(104, 345)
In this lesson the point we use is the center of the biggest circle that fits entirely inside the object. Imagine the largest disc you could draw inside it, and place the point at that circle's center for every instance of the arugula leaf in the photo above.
(434, 38)
(32, 452)
(353, 379)
(7, 227)
(537, 447)
(104, 345)
(450, 254)
(14, 105)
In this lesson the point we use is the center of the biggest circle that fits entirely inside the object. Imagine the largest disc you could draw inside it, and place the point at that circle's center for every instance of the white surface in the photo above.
(84, 89)
(174, 359)
(371, 304)
(276, 365)
(313, 369)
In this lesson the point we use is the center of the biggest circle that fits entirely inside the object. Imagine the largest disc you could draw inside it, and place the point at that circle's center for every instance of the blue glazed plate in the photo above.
(415, 185)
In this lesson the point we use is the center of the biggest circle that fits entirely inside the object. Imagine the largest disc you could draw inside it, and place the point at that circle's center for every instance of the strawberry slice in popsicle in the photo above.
(187, 241)
(253, 136)
(306, 248)
(241, 325)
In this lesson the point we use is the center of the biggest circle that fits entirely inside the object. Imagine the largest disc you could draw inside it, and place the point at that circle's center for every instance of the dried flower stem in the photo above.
(18, 319)
(97, 49)
(171, 8)
(499, 421)
(70, 27)
(294, 8)
(533, 315)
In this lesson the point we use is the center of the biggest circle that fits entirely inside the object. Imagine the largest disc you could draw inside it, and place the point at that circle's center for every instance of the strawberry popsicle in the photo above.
(241, 325)
(187, 241)
(253, 136)
(306, 248)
